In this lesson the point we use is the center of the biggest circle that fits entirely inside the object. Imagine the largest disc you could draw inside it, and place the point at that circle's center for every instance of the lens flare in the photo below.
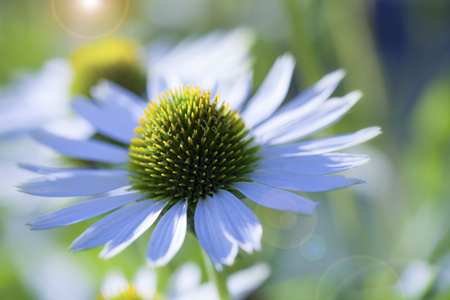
(90, 5)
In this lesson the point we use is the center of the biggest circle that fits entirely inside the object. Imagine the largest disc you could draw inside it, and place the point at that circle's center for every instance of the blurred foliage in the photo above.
(395, 52)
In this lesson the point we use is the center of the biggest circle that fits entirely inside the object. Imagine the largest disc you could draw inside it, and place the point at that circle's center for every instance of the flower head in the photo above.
(190, 159)
(184, 283)
(189, 147)
(114, 58)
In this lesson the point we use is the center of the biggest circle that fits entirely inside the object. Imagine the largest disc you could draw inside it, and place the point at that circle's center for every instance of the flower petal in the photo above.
(41, 170)
(238, 221)
(271, 93)
(110, 226)
(87, 150)
(302, 105)
(275, 198)
(82, 211)
(145, 283)
(75, 183)
(327, 114)
(227, 55)
(185, 279)
(312, 165)
(323, 145)
(168, 236)
(115, 285)
(302, 183)
(242, 283)
(158, 82)
(110, 119)
(236, 94)
(108, 91)
(211, 235)
(132, 230)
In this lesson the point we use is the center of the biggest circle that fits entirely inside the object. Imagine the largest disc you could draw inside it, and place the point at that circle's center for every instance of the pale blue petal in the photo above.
(110, 226)
(227, 55)
(86, 150)
(211, 235)
(303, 104)
(275, 198)
(312, 165)
(108, 91)
(271, 92)
(158, 83)
(76, 183)
(132, 230)
(323, 145)
(42, 170)
(168, 236)
(239, 222)
(239, 90)
(327, 114)
(302, 183)
(112, 120)
(82, 211)
(33, 99)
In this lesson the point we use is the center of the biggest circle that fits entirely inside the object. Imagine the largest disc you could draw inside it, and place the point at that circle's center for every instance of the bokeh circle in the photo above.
(284, 229)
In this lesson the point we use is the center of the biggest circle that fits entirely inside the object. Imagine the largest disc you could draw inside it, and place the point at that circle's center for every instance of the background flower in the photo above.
(185, 283)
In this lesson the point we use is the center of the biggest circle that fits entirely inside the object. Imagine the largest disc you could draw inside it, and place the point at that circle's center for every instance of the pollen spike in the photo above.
(188, 146)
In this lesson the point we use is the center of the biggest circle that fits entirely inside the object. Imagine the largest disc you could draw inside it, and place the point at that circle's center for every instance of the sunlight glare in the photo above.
(90, 5)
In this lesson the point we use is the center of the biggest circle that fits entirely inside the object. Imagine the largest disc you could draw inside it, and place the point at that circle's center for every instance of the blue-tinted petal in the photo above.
(239, 222)
(238, 91)
(323, 145)
(313, 165)
(302, 105)
(75, 183)
(87, 150)
(275, 198)
(271, 92)
(109, 118)
(327, 114)
(42, 170)
(211, 235)
(132, 230)
(82, 211)
(302, 183)
(110, 226)
(108, 91)
(168, 236)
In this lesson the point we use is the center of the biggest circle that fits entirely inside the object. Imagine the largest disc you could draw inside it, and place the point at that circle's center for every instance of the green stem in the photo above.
(219, 278)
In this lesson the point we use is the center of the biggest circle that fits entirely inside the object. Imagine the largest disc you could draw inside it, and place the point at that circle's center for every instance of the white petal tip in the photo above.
(354, 96)
(156, 264)
(218, 267)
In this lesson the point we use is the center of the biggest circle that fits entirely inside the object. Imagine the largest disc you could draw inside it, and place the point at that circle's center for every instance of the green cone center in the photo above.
(189, 147)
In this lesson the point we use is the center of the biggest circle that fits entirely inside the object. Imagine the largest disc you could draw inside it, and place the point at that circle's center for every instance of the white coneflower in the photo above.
(187, 159)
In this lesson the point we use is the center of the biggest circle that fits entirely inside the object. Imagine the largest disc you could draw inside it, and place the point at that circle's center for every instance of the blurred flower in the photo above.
(115, 59)
(34, 99)
(415, 280)
(184, 284)
(192, 158)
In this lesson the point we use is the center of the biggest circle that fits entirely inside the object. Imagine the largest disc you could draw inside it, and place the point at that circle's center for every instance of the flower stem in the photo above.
(219, 278)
